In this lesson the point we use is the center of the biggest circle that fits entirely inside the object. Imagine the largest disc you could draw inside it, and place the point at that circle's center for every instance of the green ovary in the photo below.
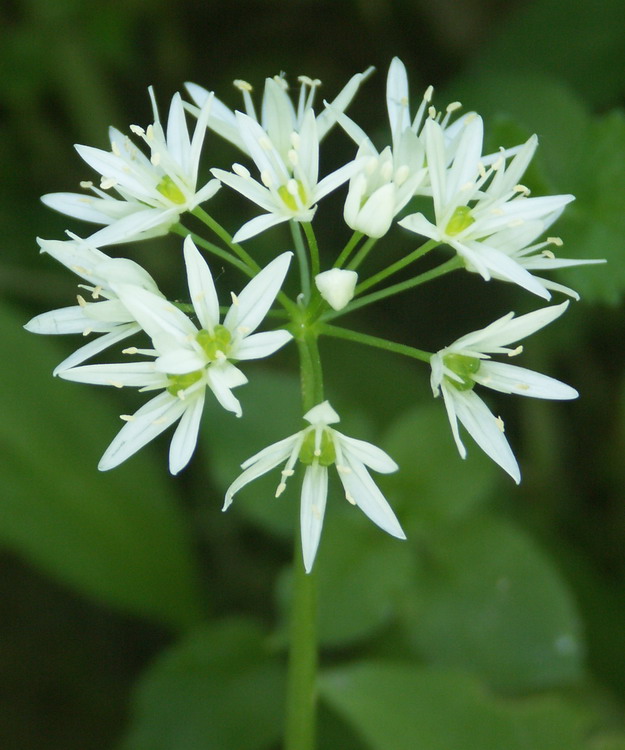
(289, 199)
(460, 220)
(464, 367)
(217, 341)
(327, 453)
(179, 383)
(168, 188)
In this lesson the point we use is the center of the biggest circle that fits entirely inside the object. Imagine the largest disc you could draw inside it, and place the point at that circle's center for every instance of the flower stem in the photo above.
(302, 259)
(347, 250)
(224, 236)
(214, 249)
(402, 286)
(303, 659)
(395, 267)
(362, 253)
(312, 246)
(379, 343)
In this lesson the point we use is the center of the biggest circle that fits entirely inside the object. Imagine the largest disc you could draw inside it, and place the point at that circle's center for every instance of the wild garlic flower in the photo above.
(318, 447)
(151, 192)
(279, 117)
(101, 311)
(472, 204)
(289, 187)
(458, 367)
(187, 360)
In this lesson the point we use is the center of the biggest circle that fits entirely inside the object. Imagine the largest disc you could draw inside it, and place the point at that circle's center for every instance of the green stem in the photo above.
(211, 248)
(395, 267)
(379, 343)
(225, 236)
(347, 250)
(303, 658)
(302, 259)
(362, 253)
(402, 286)
(313, 247)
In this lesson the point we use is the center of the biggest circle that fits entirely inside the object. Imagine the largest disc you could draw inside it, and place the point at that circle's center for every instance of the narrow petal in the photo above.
(397, 97)
(185, 437)
(278, 115)
(178, 142)
(201, 286)
(255, 226)
(252, 304)
(512, 379)
(261, 345)
(221, 379)
(486, 431)
(145, 424)
(312, 510)
(64, 320)
(133, 374)
(88, 208)
(119, 333)
(368, 454)
(249, 188)
(363, 491)
(340, 103)
(180, 362)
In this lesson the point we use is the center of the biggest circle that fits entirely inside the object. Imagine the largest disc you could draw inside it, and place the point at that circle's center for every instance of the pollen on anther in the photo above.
(342, 469)
(242, 85)
(548, 254)
(127, 417)
(115, 149)
(243, 330)
(432, 112)
(137, 130)
(81, 300)
(557, 241)
(87, 331)
(86, 184)
(115, 383)
(522, 189)
(428, 94)
(241, 171)
(295, 139)
(280, 489)
(500, 424)
(453, 107)
(287, 472)
(107, 182)
(514, 352)
(130, 350)
(97, 290)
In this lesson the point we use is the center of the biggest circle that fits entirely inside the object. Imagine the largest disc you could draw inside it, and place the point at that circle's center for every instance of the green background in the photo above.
(134, 615)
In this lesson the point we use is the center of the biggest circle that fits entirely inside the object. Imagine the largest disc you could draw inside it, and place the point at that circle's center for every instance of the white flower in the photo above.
(106, 314)
(318, 447)
(458, 367)
(336, 286)
(279, 118)
(473, 205)
(187, 359)
(289, 187)
(152, 192)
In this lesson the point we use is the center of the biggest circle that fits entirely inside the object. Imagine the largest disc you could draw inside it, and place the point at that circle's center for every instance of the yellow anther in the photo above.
(241, 171)
(107, 182)
(137, 130)
(115, 383)
(522, 189)
(428, 94)
(514, 352)
(130, 350)
(86, 184)
(453, 107)
(557, 241)
(280, 489)
(81, 300)
(548, 254)
(500, 424)
(234, 298)
(242, 85)
(127, 417)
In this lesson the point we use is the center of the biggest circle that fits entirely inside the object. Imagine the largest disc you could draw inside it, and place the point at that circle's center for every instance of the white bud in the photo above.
(336, 286)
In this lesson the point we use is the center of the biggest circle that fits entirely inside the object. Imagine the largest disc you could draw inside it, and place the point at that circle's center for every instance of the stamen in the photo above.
(86, 184)
(81, 300)
(548, 254)
(115, 383)
(265, 178)
(432, 112)
(96, 292)
(235, 299)
(514, 352)
(107, 182)
(155, 158)
(295, 139)
(243, 85)
(127, 417)
(557, 241)
(500, 424)
(453, 107)
(427, 97)
(280, 489)
(130, 350)
(137, 130)
(115, 149)
(522, 189)
(241, 171)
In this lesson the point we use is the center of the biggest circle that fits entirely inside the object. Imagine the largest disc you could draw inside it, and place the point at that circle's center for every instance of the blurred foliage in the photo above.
(499, 623)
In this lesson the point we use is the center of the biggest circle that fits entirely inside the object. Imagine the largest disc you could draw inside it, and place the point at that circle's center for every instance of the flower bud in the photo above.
(336, 286)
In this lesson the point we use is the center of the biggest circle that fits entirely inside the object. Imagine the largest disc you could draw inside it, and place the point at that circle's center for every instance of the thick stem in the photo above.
(301, 702)
(302, 259)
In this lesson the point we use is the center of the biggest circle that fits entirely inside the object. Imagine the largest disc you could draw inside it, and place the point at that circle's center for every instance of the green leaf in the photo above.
(404, 707)
(117, 537)
(218, 688)
(580, 42)
(491, 603)
(433, 485)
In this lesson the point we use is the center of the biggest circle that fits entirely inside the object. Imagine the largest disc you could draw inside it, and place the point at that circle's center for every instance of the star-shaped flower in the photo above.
(188, 359)
(458, 367)
(473, 205)
(152, 191)
(318, 447)
(102, 312)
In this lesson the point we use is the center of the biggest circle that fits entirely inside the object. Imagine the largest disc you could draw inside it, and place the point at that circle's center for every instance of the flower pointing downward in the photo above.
(318, 447)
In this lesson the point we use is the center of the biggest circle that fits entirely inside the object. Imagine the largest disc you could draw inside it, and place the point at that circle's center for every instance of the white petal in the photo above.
(367, 453)
(340, 103)
(148, 422)
(376, 216)
(256, 298)
(88, 208)
(309, 149)
(133, 374)
(201, 286)
(335, 179)
(255, 226)
(486, 431)
(178, 142)
(142, 224)
(248, 187)
(322, 414)
(397, 97)
(96, 346)
(185, 437)
(278, 116)
(64, 320)
(221, 379)
(312, 510)
(367, 496)
(109, 165)
(260, 345)
(512, 379)
(180, 362)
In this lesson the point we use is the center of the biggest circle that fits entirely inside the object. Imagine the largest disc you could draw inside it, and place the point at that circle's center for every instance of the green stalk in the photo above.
(313, 247)
(212, 248)
(395, 267)
(375, 341)
(225, 237)
(302, 259)
(362, 253)
(347, 250)
(301, 702)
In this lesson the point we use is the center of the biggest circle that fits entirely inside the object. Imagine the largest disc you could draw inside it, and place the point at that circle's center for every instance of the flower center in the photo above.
(168, 188)
(460, 220)
(214, 343)
(179, 383)
(291, 192)
(464, 367)
(325, 454)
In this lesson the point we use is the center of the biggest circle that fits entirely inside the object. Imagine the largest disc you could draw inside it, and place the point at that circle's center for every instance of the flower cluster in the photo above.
(149, 185)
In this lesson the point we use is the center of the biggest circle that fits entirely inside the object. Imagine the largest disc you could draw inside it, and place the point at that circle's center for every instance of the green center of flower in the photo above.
(217, 341)
(168, 188)
(464, 367)
(460, 220)
(326, 454)
(288, 197)
(179, 383)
